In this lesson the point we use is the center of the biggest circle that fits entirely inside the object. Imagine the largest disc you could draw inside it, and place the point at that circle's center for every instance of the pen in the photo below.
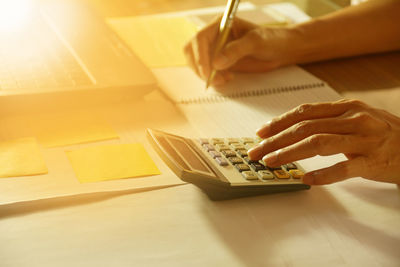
(223, 34)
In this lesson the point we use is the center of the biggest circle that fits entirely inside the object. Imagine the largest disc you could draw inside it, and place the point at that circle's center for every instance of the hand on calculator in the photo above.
(369, 137)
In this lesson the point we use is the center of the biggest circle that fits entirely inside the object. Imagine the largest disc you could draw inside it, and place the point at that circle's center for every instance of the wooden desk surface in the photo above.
(361, 73)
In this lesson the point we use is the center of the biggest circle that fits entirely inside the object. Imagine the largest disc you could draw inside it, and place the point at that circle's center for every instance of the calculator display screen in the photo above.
(190, 156)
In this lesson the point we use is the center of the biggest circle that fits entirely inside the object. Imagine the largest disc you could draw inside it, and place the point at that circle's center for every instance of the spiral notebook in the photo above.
(244, 104)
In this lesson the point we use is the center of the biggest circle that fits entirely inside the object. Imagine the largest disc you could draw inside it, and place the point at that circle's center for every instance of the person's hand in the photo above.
(369, 137)
(250, 48)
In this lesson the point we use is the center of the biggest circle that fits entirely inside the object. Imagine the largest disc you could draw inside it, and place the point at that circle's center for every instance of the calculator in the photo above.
(221, 168)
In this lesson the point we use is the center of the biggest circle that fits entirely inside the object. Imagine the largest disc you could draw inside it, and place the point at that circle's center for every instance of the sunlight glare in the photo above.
(14, 14)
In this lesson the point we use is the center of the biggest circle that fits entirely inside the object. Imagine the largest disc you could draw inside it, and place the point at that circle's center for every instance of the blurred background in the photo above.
(117, 8)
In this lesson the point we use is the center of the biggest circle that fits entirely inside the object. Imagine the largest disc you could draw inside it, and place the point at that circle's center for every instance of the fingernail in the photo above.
(255, 152)
(264, 130)
(220, 61)
(271, 158)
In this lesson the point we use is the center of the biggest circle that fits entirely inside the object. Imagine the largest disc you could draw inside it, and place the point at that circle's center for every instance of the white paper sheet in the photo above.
(181, 83)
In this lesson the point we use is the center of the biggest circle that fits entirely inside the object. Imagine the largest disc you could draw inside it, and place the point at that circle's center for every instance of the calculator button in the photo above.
(296, 174)
(282, 174)
(266, 175)
(203, 141)
(242, 152)
(271, 168)
(242, 167)
(257, 166)
(215, 154)
(221, 147)
(246, 140)
(290, 166)
(248, 160)
(249, 175)
(235, 160)
(233, 140)
(228, 153)
(221, 161)
(208, 147)
(216, 141)
(238, 146)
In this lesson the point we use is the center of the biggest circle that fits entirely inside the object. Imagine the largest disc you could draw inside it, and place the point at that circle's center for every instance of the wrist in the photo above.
(289, 45)
(313, 41)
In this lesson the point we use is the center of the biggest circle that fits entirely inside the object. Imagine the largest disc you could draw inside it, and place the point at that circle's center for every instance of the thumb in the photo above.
(233, 52)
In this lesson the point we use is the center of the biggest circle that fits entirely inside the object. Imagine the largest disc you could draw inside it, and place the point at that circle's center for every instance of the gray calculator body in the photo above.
(192, 163)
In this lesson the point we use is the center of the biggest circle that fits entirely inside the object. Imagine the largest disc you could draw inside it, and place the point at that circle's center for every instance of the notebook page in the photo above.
(242, 116)
(182, 84)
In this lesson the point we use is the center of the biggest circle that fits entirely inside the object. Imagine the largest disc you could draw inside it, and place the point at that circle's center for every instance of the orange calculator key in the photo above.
(282, 174)
(296, 174)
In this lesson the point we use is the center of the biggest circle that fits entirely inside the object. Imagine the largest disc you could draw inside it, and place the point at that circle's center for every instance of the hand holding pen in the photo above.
(248, 48)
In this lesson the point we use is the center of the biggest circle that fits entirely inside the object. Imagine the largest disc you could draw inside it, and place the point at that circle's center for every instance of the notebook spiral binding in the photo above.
(258, 92)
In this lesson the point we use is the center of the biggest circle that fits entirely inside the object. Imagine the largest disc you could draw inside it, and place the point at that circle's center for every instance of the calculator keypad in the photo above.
(215, 154)
(266, 175)
(229, 153)
(235, 160)
(249, 175)
(257, 166)
(208, 147)
(296, 174)
(242, 167)
(233, 151)
(221, 161)
(221, 147)
(282, 174)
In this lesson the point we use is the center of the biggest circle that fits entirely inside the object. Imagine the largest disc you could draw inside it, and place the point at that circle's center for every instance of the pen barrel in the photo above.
(224, 31)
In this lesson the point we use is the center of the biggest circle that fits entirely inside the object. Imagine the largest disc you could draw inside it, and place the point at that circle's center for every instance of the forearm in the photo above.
(367, 28)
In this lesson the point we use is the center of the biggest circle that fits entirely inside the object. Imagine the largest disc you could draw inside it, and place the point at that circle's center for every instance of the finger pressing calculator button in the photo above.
(215, 154)
(266, 175)
(221, 147)
(296, 174)
(257, 166)
(233, 140)
(203, 141)
(249, 175)
(242, 152)
(208, 147)
(235, 160)
(221, 161)
(250, 145)
(228, 153)
(290, 166)
(242, 167)
(216, 141)
(282, 174)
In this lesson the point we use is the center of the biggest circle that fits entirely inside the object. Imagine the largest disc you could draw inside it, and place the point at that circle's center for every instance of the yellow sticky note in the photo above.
(108, 162)
(21, 157)
(61, 129)
(158, 41)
